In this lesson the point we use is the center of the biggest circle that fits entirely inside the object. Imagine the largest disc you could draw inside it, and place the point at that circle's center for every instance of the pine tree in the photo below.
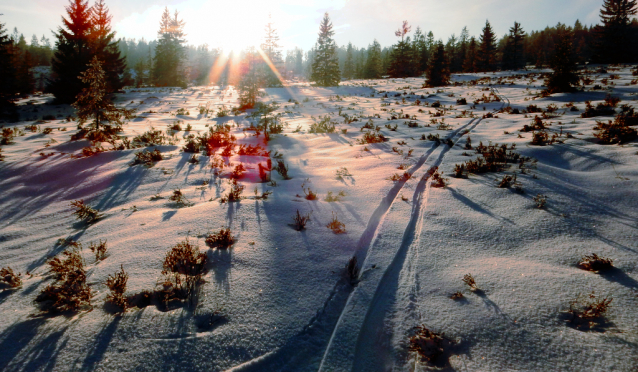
(486, 54)
(469, 64)
(250, 79)
(401, 56)
(299, 62)
(7, 77)
(168, 64)
(373, 67)
(451, 49)
(106, 48)
(463, 44)
(348, 67)
(420, 50)
(513, 53)
(73, 52)
(565, 75)
(325, 66)
(438, 73)
(616, 40)
(93, 103)
(272, 57)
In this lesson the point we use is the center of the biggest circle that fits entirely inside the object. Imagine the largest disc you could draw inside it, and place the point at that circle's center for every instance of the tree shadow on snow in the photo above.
(30, 346)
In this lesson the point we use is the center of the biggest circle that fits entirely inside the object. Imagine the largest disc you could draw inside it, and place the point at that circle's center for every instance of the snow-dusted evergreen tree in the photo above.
(93, 104)
(616, 39)
(325, 65)
(170, 57)
(438, 72)
(565, 76)
(105, 47)
(401, 62)
(272, 57)
(348, 67)
(486, 54)
(73, 51)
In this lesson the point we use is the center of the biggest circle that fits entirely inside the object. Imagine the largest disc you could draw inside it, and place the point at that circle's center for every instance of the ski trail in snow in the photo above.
(339, 355)
(300, 351)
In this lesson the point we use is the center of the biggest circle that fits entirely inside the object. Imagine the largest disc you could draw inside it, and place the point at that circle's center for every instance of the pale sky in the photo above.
(239, 23)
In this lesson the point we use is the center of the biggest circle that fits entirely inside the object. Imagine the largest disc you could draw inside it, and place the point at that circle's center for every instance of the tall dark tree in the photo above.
(272, 67)
(106, 48)
(348, 67)
(438, 73)
(513, 53)
(469, 64)
(616, 41)
(565, 76)
(73, 52)
(169, 61)
(8, 76)
(325, 66)
(420, 50)
(486, 56)
(401, 62)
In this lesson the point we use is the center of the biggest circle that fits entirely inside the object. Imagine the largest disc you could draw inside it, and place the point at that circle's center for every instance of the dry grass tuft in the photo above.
(469, 280)
(117, 285)
(336, 226)
(85, 213)
(99, 250)
(222, 240)
(70, 292)
(9, 279)
(590, 312)
(596, 263)
(300, 221)
(431, 347)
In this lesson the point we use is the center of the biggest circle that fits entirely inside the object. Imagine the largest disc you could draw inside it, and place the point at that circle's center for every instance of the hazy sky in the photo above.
(238, 23)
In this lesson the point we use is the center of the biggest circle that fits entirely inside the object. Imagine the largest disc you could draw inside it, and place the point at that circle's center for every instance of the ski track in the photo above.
(314, 345)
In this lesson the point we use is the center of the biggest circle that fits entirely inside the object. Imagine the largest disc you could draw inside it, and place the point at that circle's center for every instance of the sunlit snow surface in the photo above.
(286, 303)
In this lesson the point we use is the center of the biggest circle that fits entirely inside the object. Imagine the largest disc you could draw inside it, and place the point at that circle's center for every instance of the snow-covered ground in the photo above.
(285, 302)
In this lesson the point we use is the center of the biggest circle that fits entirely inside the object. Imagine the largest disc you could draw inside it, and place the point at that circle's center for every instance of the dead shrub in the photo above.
(179, 198)
(438, 181)
(9, 279)
(85, 213)
(147, 158)
(300, 221)
(99, 250)
(431, 347)
(595, 263)
(117, 285)
(614, 132)
(234, 194)
(336, 226)
(469, 280)
(70, 292)
(222, 239)
(589, 312)
(183, 270)
(540, 200)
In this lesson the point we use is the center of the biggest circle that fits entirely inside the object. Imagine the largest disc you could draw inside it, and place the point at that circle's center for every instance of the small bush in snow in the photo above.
(117, 285)
(282, 169)
(437, 180)
(234, 194)
(9, 279)
(330, 197)
(178, 197)
(541, 201)
(300, 221)
(70, 292)
(469, 280)
(99, 250)
(222, 239)
(183, 269)
(596, 263)
(617, 131)
(147, 158)
(336, 226)
(589, 312)
(85, 213)
(431, 347)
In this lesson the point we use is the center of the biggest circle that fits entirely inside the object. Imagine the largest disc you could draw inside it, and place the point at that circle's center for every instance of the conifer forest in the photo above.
(255, 188)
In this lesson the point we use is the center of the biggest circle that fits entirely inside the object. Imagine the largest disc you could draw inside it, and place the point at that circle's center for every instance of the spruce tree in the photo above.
(486, 54)
(94, 103)
(401, 56)
(348, 67)
(438, 72)
(374, 65)
(7, 77)
(106, 48)
(298, 62)
(272, 57)
(616, 39)
(469, 64)
(420, 50)
(73, 52)
(168, 64)
(250, 79)
(325, 66)
(513, 53)
(565, 75)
